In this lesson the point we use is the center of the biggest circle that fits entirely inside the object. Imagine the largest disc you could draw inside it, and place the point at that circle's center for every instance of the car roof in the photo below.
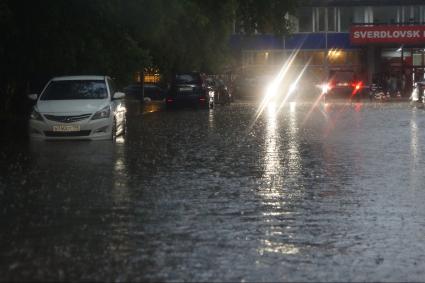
(80, 78)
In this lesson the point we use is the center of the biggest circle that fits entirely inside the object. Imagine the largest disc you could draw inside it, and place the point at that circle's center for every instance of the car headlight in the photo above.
(36, 116)
(325, 88)
(103, 113)
(293, 87)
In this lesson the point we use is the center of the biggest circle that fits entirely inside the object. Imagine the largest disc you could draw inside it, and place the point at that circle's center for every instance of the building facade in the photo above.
(375, 39)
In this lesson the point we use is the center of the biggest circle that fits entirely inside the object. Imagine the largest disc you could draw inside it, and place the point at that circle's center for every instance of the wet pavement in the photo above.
(331, 193)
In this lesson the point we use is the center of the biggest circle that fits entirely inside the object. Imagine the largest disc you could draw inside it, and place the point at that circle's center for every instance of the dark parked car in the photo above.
(154, 92)
(219, 91)
(189, 89)
(151, 91)
(134, 90)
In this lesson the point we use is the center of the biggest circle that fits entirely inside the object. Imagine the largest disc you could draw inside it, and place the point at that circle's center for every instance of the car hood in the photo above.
(71, 106)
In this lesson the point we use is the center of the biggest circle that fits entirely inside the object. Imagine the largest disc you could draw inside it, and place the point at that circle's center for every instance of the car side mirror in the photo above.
(118, 95)
(33, 96)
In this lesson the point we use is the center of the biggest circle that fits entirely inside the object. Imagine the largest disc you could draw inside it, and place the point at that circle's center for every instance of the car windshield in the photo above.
(75, 89)
(151, 89)
(187, 79)
(343, 76)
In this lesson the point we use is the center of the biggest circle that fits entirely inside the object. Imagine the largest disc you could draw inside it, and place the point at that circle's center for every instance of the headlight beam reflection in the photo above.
(293, 86)
(273, 87)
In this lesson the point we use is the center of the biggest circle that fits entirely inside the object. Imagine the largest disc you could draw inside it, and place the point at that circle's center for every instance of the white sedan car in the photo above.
(78, 107)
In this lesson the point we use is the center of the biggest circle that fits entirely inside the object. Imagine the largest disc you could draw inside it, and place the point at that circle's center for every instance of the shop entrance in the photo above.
(401, 68)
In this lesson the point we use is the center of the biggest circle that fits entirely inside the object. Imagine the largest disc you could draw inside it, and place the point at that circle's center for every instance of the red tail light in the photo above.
(169, 100)
(357, 86)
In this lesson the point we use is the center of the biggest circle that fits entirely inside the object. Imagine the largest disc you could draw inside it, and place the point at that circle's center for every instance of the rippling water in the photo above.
(334, 193)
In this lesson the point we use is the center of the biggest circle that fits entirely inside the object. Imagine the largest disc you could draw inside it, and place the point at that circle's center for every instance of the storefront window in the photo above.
(305, 19)
(261, 58)
(337, 57)
(422, 12)
(314, 76)
(353, 58)
(277, 57)
(248, 58)
(412, 14)
(320, 19)
(311, 57)
(331, 19)
(385, 14)
(346, 18)
(302, 58)
(417, 59)
(359, 15)
(317, 58)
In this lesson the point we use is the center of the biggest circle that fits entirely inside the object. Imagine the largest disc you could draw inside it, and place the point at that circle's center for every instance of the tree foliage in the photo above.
(265, 16)
(45, 38)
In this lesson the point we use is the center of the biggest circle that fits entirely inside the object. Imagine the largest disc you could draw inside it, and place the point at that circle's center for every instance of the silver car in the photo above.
(78, 107)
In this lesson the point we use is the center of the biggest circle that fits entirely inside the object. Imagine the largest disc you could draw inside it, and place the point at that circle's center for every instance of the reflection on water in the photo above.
(271, 159)
(82, 202)
(151, 107)
(294, 164)
(275, 196)
(178, 203)
(414, 151)
(211, 119)
(120, 139)
(120, 241)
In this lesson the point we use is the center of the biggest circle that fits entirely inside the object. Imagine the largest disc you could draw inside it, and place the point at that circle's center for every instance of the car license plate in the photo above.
(185, 89)
(66, 128)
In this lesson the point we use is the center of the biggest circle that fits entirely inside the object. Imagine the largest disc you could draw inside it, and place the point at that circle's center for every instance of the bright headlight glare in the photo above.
(271, 90)
(103, 113)
(36, 116)
(325, 88)
(292, 88)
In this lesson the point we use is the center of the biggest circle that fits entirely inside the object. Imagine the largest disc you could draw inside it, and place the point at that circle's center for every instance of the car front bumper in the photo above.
(88, 130)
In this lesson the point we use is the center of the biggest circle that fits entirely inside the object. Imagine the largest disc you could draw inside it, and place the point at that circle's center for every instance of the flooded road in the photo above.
(328, 193)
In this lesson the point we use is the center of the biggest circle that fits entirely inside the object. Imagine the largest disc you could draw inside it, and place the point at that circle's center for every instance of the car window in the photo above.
(112, 87)
(187, 79)
(133, 87)
(343, 76)
(75, 89)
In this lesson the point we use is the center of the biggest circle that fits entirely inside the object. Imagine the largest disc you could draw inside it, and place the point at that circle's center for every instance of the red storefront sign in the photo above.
(361, 35)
